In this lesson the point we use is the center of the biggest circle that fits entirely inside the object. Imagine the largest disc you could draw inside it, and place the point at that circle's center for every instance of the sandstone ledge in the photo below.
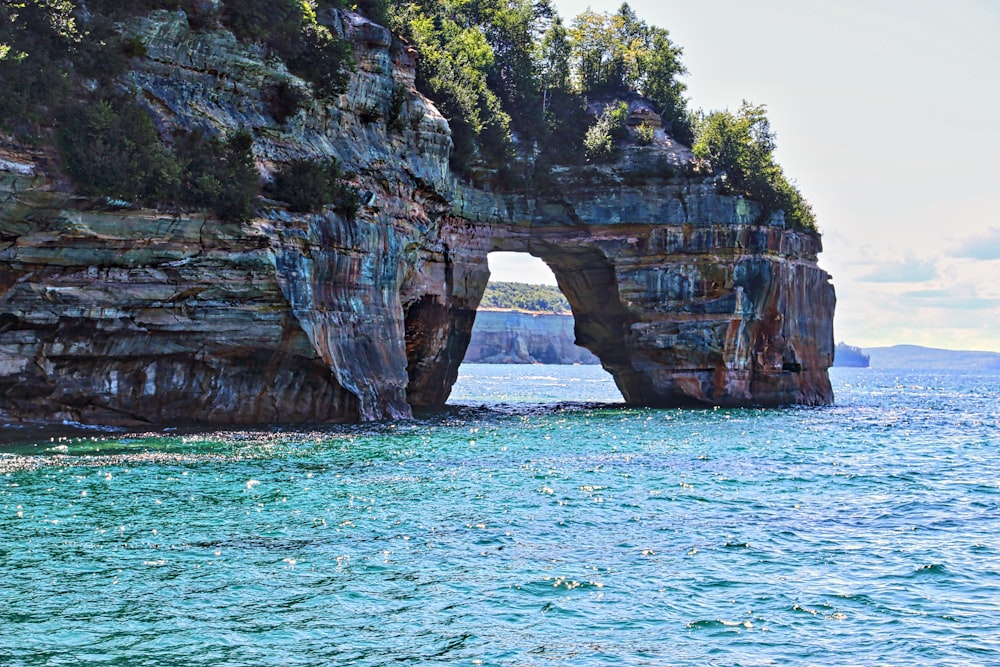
(118, 316)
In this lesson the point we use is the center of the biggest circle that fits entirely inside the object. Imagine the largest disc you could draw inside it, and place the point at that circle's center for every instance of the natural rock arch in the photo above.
(688, 297)
(116, 316)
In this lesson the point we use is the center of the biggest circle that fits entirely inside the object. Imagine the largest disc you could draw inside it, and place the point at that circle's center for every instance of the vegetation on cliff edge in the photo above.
(742, 144)
(512, 78)
(60, 67)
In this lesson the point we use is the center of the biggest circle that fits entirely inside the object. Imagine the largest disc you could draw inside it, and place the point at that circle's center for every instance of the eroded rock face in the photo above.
(125, 317)
(118, 318)
(519, 337)
(688, 297)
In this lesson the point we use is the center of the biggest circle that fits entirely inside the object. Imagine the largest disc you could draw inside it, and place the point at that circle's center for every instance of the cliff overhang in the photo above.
(112, 315)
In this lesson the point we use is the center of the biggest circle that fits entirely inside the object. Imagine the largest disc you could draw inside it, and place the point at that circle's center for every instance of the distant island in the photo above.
(522, 323)
(850, 356)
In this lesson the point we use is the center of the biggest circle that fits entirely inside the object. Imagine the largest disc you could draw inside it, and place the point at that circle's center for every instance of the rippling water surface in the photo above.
(538, 522)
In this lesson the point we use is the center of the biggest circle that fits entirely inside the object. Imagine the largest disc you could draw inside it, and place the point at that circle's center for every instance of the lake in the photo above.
(537, 521)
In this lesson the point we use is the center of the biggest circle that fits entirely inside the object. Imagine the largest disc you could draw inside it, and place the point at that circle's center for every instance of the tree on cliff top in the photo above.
(742, 144)
(618, 53)
(521, 78)
(477, 63)
(508, 74)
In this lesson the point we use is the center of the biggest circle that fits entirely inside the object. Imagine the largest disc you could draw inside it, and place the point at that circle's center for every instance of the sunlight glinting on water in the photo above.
(504, 531)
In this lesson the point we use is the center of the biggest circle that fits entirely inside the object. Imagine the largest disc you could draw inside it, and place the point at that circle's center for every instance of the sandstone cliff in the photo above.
(519, 337)
(113, 315)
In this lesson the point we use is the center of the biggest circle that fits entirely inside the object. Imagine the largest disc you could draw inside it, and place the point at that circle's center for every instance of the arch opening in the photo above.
(523, 345)
(523, 317)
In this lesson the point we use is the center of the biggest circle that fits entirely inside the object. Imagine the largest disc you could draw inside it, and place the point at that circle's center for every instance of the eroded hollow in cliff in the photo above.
(523, 317)
(440, 337)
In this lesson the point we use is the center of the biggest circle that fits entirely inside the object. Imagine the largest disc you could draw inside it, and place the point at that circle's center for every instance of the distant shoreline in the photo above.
(930, 358)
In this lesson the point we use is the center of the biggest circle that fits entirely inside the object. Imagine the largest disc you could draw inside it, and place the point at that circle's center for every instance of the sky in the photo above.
(887, 116)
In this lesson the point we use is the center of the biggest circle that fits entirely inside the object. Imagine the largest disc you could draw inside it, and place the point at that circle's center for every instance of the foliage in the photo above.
(291, 29)
(511, 77)
(277, 22)
(218, 175)
(508, 73)
(283, 100)
(37, 41)
(554, 53)
(320, 58)
(456, 60)
(397, 107)
(522, 296)
(660, 84)
(117, 9)
(308, 186)
(376, 10)
(742, 144)
(564, 110)
(370, 114)
(58, 59)
(619, 52)
(601, 138)
(645, 133)
(111, 148)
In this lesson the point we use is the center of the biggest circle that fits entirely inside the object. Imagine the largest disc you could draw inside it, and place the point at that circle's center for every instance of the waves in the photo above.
(562, 531)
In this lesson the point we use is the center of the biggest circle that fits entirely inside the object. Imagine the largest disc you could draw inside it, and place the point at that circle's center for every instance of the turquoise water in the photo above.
(535, 523)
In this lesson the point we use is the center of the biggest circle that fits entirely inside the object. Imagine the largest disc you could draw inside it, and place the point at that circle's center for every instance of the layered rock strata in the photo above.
(114, 315)
(519, 337)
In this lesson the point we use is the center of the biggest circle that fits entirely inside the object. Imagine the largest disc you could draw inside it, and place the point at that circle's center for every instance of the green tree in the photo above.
(554, 53)
(509, 28)
(660, 83)
(453, 69)
(111, 149)
(742, 144)
(376, 10)
(617, 53)
(524, 296)
(599, 60)
(276, 22)
(292, 30)
(311, 185)
(37, 40)
(564, 110)
(218, 175)
(606, 133)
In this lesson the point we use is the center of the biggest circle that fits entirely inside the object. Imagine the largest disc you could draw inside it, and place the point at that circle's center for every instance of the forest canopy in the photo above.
(523, 296)
(510, 72)
(514, 80)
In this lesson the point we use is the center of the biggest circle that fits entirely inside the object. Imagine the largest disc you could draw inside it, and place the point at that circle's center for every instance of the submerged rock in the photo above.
(119, 316)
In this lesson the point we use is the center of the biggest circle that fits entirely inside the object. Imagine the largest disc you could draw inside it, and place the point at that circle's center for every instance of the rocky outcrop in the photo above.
(519, 337)
(690, 297)
(114, 315)
(850, 356)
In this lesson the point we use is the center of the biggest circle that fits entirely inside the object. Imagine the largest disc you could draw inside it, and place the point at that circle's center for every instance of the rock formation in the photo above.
(120, 316)
(519, 337)
(850, 356)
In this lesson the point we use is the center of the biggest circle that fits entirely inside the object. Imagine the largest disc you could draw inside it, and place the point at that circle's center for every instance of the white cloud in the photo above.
(985, 246)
